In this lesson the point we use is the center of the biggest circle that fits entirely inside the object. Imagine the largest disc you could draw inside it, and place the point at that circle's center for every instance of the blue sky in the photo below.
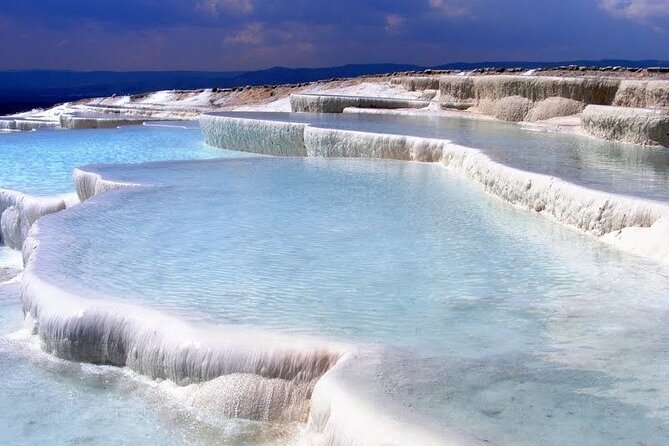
(252, 34)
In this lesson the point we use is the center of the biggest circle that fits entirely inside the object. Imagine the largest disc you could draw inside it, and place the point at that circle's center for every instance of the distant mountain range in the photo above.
(24, 90)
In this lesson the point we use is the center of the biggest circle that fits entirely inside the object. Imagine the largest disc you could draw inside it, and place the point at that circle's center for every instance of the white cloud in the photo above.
(305, 47)
(215, 7)
(253, 34)
(644, 11)
(394, 22)
(449, 8)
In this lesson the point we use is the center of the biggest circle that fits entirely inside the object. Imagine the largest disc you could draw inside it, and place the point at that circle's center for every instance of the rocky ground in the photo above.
(189, 104)
(661, 73)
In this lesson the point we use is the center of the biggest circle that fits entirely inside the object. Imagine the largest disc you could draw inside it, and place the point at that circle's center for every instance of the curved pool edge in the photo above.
(18, 212)
(634, 225)
(327, 103)
(344, 415)
(228, 371)
(264, 376)
(89, 184)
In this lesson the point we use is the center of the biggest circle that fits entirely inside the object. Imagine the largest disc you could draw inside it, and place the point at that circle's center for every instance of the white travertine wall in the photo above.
(507, 97)
(323, 142)
(229, 372)
(265, 137)
(643, 94)
(509, 108)
(534, 88)
(73, 122)
(543, 97)
(594, 212)
(88, 184)
(525, 98)
(18, 212)
(316, 103)
(533, 98)
(632, 125)
(553, 108)
(9, 123)
(418, 83)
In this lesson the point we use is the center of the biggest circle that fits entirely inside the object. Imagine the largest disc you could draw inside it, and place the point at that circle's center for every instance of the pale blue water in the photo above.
(490, 320)
(41, 162)
(612, 167)
(493, 321)
(44, 400)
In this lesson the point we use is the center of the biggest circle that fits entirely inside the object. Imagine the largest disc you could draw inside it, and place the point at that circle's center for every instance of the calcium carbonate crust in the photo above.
(323, 103)
(230, 372)
(267, 137)
(22, 124)
(88, 184)
(632, 125)
(18, 212)
(633, 111)
(614, 219)
(586, 90)
(262, 377)
(74, 121)
(222, 370)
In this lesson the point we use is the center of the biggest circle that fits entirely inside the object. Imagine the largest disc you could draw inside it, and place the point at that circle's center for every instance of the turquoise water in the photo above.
(489, 320)
(41, 162)
(612, 167)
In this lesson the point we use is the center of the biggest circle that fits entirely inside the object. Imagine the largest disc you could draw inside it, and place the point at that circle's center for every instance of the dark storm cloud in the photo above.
(247, 34)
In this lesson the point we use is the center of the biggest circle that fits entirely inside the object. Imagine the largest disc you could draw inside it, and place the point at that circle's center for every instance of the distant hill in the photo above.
(280, 75)
(24, 90)
(531, 65)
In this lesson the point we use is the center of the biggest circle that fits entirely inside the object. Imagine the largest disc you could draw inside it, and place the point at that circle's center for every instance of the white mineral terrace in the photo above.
(225, 371)
(634, 111)
(287, 378)
(635, 225)
(80, 120)
(518, 98)
(18, 212)
(238, 373)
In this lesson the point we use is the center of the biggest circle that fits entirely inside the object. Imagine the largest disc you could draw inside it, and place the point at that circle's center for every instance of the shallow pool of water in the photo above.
(611, 167)
(41, 162)
(493, 321)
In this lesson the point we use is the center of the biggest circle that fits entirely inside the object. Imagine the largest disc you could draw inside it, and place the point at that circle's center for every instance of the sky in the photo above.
(230, 35)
